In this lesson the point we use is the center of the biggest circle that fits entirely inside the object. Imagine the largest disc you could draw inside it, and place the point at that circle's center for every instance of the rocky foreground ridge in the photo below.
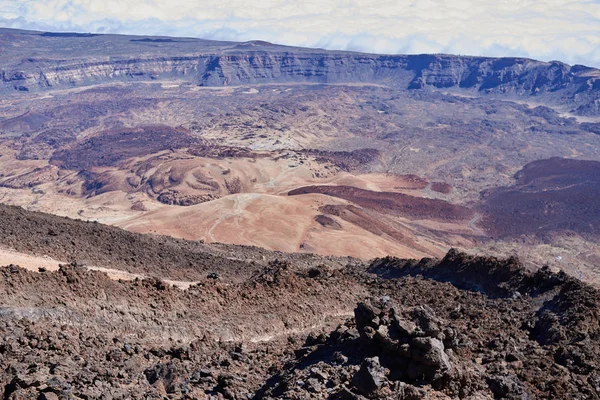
(40, 61)
(460, 327)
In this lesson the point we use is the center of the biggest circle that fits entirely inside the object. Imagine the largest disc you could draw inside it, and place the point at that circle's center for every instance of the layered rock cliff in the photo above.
(36, 61)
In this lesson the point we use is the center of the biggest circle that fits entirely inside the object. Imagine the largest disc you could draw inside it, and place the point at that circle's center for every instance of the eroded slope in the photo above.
(418, 331)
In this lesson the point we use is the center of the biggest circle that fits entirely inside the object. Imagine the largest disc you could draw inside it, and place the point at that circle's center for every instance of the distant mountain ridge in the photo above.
(34, 61)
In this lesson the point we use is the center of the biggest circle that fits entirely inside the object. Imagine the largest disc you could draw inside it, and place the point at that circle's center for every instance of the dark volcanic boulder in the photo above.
(370, 376)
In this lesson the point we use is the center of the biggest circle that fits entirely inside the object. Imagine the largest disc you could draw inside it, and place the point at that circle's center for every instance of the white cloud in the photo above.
(567, 30)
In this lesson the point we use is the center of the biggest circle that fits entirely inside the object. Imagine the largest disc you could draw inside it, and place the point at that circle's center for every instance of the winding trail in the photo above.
(476, 218)
(325, 321)
(237, 211)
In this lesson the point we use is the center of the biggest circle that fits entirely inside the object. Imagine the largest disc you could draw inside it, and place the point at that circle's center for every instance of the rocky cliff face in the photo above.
(37, 61)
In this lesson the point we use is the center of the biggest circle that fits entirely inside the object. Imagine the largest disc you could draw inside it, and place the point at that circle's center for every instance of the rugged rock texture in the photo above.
(96, 244)
(260, 324)
(421, 339)
(210, 63)
(81, 335)
(461, 327)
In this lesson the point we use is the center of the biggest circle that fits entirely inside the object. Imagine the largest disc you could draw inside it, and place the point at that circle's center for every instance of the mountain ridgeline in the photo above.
(93, 59)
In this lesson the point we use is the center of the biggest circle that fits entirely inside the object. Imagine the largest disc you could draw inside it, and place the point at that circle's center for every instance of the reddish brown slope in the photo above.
(398, 204)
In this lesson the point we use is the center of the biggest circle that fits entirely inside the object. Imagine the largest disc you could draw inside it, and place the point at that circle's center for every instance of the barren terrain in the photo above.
(257, 324)
(210, 151)
(183, 218)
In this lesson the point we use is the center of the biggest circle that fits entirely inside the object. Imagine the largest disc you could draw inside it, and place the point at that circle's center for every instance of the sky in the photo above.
(567, 31)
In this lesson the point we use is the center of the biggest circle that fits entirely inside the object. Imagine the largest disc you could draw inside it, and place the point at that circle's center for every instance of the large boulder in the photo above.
(370, 377)
(409, 342)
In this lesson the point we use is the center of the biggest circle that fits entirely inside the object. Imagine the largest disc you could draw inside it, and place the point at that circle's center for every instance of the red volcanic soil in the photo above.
(550, 195)
(109, 147)
(414, 182)
(360, 218)
(441, 187)
(398, 204)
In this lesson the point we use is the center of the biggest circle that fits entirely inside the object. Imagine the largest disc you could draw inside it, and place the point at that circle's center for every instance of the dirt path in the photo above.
(33, 263)
(239, 201)
(473, 227)
(327, 320)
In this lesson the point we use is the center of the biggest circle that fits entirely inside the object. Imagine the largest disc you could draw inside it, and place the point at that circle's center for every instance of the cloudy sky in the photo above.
(544, 29)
